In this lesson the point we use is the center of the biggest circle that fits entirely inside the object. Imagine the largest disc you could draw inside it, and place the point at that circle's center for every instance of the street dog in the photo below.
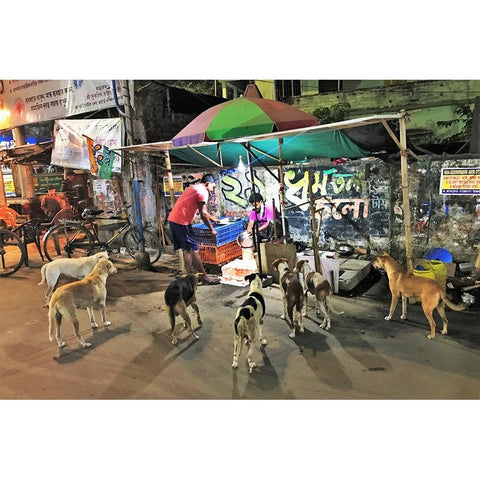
(87, 293)
(292, 295)
(249, 320)
(315, 284)
(407, 285)
(180, 294)
(70, 267)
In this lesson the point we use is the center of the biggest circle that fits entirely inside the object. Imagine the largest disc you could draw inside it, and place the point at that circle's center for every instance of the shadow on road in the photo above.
(99, 337)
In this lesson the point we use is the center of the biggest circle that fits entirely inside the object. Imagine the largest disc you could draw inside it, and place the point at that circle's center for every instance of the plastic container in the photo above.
(433, 269)
(424, 272)
(225, 233)
(440, 271)
(437, 253)
(217, 255)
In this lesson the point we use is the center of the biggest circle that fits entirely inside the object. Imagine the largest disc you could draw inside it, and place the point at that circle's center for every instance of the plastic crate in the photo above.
(216, 255)
(225, 233)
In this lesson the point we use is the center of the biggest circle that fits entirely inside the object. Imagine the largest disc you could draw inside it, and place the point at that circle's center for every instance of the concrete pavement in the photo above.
(361, 357)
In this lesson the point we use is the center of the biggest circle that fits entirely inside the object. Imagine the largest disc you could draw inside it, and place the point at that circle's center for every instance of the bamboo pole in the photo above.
(312, 223)
(256, 236)
(282, 189)
(405, 192)
(168, 167)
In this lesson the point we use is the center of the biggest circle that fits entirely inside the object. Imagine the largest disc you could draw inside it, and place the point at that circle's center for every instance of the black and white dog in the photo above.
(249, 320)
(180, 294)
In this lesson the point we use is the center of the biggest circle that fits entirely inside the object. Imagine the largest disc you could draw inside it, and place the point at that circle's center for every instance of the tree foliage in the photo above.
(335, 113)
(196, 86)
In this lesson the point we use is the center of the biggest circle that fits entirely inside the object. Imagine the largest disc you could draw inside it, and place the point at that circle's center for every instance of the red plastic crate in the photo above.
(217, 255)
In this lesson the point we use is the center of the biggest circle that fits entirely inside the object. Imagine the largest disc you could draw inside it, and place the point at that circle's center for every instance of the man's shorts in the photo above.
(183, 237)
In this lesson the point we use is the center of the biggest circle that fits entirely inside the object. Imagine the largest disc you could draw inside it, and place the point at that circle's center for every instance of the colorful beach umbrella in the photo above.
(242, 117)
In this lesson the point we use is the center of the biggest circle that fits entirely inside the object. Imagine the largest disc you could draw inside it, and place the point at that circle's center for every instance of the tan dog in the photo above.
(70, 267)
(408, 285)
(247, 326)
(292, 293)
(86, 293)
(180, 294)
(317, 285)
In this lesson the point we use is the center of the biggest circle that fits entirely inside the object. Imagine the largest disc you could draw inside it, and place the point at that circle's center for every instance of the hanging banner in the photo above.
(460, 181)
(70, 148)
(31, 101)
(101, 159)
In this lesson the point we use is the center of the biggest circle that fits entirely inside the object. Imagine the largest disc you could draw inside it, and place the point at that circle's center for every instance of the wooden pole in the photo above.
(168, 166)
(275, 237)
(405, 192)
(256, 236)
(312, 223)
(282, 189)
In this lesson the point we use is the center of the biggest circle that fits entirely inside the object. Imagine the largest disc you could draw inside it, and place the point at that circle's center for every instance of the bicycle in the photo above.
(79, 238)
(12, 252)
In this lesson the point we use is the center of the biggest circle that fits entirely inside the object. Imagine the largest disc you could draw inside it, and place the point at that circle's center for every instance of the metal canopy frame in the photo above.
(166, 148)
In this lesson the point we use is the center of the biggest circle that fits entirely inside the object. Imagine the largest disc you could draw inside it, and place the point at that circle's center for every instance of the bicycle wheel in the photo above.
(68, 240)
(152, 243)
(12, 253)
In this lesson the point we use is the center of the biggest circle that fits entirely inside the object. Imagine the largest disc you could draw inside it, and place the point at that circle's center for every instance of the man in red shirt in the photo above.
(194, 198)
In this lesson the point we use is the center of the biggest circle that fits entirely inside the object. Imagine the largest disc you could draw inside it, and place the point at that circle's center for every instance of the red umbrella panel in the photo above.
(242, 117)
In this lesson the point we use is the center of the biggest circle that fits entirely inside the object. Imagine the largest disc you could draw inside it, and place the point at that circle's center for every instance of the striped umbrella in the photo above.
(242, 117)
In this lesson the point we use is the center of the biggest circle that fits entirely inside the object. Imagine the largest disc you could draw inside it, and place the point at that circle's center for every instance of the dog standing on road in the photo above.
(320, 288)
(249, 320)
(408, 285)
(86, 293)
(70, 267)
(180, 294)
(292, 295)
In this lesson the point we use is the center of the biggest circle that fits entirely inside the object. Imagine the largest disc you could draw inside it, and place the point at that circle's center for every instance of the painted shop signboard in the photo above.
(353, 199)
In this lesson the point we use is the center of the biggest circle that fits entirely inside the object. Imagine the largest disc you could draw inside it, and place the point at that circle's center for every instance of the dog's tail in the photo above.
(42, 271)
(455, 308)
(330, 306)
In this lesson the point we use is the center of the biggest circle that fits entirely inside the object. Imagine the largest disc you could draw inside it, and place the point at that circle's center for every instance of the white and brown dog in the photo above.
(316, 284)
(249, 320)
(86, 293)
(180, 294)
(75, 268)
(292, 295)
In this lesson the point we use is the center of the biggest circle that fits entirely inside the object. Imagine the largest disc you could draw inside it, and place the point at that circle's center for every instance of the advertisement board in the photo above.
(460, 181)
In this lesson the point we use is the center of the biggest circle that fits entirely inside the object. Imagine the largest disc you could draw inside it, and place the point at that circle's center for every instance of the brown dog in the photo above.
(86, 293)
(317, 285)
(292, 294)
(408, 285)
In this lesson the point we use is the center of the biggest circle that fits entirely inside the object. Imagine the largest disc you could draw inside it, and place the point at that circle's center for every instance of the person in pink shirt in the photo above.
(193, 199)
(261, 213)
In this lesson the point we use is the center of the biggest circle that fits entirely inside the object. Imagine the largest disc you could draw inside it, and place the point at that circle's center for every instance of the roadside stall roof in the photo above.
(22, 153)
(317, 141)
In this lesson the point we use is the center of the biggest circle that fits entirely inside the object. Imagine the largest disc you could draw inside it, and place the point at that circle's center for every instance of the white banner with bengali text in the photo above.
(23, 102)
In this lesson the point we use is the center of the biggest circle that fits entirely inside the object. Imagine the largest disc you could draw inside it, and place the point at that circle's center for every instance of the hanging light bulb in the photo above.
(241, 166)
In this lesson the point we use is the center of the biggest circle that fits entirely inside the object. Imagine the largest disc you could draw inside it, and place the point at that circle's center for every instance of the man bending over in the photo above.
(194, 198)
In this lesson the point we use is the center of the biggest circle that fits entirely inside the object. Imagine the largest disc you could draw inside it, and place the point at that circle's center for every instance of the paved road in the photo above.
(362, 357)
